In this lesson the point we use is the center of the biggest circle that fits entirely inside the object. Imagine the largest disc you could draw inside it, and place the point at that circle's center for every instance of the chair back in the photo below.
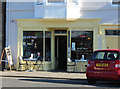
(20, 59)
(40, 58)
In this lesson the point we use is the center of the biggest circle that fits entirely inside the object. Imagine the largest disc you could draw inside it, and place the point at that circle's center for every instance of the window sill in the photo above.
(55, 4)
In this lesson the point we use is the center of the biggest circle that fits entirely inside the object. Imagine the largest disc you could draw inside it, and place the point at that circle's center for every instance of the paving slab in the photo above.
(44, 74)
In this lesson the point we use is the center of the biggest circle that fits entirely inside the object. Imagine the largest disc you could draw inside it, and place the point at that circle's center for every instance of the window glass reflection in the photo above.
(112, 32)
(33, 44)
(81, 45)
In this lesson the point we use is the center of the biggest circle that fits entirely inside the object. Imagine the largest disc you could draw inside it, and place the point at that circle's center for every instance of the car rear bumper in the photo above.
(103, 75)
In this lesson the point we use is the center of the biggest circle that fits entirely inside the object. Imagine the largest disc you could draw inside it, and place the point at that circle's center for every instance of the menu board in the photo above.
(9, 56)
(7, 51)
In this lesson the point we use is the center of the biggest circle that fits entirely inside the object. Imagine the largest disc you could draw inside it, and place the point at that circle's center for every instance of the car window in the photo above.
(100, 55)
(105, 55)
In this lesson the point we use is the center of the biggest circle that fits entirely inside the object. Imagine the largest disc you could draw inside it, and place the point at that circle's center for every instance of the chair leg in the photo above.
(26, 67)
(74, 68)
(37, 67)
(20, 67)
(33, 67)
(42, 66)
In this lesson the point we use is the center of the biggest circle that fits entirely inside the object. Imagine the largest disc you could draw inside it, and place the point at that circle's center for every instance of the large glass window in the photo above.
(33, 44)
(81, 44)
(112, 32)
(47, 46)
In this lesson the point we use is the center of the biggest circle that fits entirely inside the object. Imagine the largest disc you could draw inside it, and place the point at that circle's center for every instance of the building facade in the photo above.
(59, 30)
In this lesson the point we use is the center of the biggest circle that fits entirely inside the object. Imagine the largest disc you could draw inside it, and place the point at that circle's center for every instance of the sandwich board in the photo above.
(7, 51)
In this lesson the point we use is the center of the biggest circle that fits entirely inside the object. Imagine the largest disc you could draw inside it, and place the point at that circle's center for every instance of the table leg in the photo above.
(30, 68)
(30, 64)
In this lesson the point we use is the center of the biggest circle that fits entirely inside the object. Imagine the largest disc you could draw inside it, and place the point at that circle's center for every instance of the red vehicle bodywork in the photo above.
(109, 72)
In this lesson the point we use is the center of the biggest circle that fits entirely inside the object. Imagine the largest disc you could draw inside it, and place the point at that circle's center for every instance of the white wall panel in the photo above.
(21, 5)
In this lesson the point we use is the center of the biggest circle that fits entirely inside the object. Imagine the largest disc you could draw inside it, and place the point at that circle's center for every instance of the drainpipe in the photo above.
(3, 30)
(100, 36)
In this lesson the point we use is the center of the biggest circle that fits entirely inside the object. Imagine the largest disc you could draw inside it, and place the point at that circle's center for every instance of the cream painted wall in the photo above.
(81, 25)
(113, 42)
(86, 9)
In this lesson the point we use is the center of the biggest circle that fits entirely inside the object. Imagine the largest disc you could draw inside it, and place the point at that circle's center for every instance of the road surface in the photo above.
(42, 82)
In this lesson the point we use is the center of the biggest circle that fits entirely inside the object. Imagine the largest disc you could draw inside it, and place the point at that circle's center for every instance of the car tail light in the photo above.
(88, 65)
(117, 65)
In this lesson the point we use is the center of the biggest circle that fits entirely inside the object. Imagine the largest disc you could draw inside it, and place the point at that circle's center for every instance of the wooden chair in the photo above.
(22, 63)
(71, 65)
(38, 63)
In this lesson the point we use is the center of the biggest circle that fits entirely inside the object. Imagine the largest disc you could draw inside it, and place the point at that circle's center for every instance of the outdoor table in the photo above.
(30, 59)
(80, 65)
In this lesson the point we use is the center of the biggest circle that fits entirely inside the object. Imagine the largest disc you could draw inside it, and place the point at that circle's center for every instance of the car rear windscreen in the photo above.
(105, 55)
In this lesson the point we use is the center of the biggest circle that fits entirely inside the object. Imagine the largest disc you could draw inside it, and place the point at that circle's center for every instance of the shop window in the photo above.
(112, 32)
(81, 45)
(73, 1)
(47, 46)
(115, 2)
(33, 44)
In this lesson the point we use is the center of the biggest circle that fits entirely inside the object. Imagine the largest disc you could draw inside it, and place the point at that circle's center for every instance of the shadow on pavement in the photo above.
(110, 84)
(101, 84)
(62, 81)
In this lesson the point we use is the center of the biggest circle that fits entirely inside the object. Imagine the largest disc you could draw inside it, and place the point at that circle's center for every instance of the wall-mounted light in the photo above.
(89, 38)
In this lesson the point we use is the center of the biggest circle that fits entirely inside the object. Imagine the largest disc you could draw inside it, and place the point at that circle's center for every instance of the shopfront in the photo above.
(56, 41)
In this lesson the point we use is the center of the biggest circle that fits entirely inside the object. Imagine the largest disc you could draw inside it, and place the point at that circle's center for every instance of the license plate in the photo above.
(102, 64)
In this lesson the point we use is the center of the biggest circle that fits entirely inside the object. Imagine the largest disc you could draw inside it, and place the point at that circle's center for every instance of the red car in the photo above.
(104, 65)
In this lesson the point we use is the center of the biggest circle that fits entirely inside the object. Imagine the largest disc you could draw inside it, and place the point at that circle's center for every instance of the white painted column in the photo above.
(19, 44)
(95, 38)
(53, 60)
(44, 46)
(103, 39)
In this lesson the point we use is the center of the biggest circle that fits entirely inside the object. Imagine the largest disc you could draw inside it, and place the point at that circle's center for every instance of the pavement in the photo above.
(44, 74)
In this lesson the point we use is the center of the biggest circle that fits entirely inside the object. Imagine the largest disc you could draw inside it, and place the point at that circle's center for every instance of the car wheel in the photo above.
(91, 81)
